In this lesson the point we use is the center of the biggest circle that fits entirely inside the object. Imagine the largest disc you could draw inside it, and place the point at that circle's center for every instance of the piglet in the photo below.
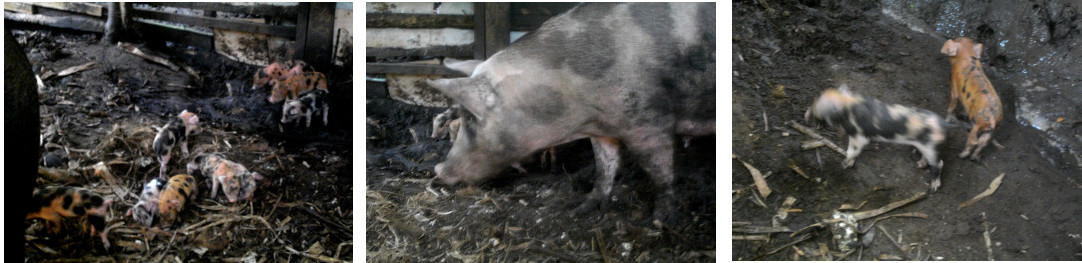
(279, 71)
(180, 190)
(310, 102)
(971, 86)
(293, 86)
(868, 118)
(60, 205)
(236, 181)
(177, 130)
(143, 212)
(442, 122)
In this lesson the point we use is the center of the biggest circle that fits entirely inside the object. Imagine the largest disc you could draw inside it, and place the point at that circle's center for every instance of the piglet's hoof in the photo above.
(848, 163)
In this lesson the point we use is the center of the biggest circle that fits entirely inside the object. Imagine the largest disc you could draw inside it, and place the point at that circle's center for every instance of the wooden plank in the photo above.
(497, 27)
(19, 7)
(155, 32)
(283, 31)
(417, 21)
(69, 22)
(319, 42)
(460, 51)
(549, 9)
(253, 9)
(61, 13)
(79, 8)
(413, 69)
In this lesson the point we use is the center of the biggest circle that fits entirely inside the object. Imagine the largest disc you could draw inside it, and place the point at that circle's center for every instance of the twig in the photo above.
(888, 207)
(328, 222)
(601, 245)
(75, 69)
(761, 229)
(811, 133)
(987, 237)
(135, 51)
(887, 234)
(776, 250)
(321, 258)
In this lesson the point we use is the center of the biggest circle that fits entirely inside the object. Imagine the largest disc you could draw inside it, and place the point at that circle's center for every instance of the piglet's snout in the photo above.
(442, 175)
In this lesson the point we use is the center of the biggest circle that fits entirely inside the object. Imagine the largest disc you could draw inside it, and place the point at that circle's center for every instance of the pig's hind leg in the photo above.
(655, 152)
(607, 162)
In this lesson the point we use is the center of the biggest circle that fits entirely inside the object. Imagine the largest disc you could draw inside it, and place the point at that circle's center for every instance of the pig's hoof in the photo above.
(922, 163)
(664, 212)
(848, 163)
(963, 154)
(589, 206)
(934, 185)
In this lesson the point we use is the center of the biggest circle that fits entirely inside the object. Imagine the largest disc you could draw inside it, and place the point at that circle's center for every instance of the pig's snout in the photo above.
(445, 176)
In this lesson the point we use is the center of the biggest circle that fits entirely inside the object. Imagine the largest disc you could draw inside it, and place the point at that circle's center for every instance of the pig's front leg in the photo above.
(607, 161)
(184, 147)
(856, 143)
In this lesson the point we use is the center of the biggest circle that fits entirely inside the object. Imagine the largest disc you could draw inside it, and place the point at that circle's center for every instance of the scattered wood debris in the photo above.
(812, 134)
(72, 70)
(135, 51)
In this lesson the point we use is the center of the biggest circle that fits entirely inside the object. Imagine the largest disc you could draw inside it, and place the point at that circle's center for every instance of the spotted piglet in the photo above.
(177, 131)
(236, 181)
(143, 211)
(865, 119)
(60, 206)
(310, 102)
(971, 86)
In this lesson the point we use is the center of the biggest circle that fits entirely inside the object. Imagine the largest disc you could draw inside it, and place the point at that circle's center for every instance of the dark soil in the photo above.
(109, 114)
(785, 53)
(523, 217)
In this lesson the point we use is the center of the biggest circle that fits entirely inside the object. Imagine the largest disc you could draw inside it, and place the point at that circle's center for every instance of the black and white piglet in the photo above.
(312, 101)
(868, 118)
(177, 131)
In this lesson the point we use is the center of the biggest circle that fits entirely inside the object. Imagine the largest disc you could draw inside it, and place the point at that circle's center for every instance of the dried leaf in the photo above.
(760, 182)
(991, 189)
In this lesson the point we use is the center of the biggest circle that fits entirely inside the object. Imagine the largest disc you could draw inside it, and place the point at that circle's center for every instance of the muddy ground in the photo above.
(786, 52)
(110, 112)
(522, 217)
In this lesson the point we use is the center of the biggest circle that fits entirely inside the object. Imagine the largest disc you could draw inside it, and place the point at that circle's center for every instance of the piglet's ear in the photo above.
(950, 48)
(474, 94)
(977, 50)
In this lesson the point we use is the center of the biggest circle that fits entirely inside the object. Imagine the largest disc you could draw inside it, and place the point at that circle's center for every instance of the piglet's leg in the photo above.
(981, 143)
(971, 141)
(184, 147)
(856, 144)
(930, 156)
(164, 160)
(607, 161)
(325, 109)
(214, 186)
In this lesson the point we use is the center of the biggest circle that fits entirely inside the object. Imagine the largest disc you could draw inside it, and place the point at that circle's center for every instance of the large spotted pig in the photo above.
(868, 118)
(632, 75)
(970, 86)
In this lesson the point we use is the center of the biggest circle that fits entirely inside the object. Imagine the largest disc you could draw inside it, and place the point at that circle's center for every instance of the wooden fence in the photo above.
(312, 32)
(492, 24)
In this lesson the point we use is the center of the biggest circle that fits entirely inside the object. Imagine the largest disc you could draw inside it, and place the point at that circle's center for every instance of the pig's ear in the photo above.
(977, 50)
(950, 48)
(474, 94)
(463, 66)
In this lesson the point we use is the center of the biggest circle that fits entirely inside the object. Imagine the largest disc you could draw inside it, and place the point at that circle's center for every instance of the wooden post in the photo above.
(319, 44)
(479, 31)
(302, 30)
(497, 27)
(491, 29)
